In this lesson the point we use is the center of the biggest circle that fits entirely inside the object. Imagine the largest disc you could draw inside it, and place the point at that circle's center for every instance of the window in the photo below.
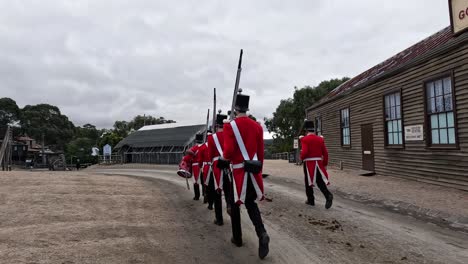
(345, 132)
(440, 112)
(318, 126)
(393, 124)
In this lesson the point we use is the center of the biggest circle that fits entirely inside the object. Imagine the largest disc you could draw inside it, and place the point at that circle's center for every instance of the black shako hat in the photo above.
(242, 103)
(220, 118)
(199, 138)
(309, 125)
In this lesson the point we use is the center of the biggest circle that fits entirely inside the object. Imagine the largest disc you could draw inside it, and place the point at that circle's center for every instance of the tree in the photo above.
(80, 148)
(139, 121)
(87, 131)
(46, 119)
(122, 128)
(290, 114)
(109, 137)
(9, 112)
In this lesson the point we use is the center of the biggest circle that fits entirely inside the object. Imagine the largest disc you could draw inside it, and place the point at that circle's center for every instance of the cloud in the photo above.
(102, 61)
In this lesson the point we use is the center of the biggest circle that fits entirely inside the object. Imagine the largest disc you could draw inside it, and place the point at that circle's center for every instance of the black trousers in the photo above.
(320, 184)
(252, 210)
(215, 197)
(196, 190)
(227, 188)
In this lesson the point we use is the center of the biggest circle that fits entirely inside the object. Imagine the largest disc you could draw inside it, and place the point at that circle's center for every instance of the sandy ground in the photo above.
(135, 215)
(437, 204)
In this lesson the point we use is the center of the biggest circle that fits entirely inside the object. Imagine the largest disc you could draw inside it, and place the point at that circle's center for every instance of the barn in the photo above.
(158, 144)
(406, 117)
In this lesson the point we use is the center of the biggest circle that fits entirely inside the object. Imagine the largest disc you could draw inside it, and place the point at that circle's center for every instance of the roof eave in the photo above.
(430, 55)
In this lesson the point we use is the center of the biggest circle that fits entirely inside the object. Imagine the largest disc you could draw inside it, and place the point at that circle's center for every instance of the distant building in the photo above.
(407, 116)
(158, 144)
(26, 150)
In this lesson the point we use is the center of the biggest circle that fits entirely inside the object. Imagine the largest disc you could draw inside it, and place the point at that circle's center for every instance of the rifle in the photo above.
(213, 127)
(236, 86)
(207, 124)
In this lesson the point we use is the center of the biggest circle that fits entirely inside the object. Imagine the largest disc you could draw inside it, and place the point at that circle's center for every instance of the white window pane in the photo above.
(430, 89)
(390, 138)
(442, 120)
(400, 128)
(438, 87)
(400, 137)
(397, 99)
(435, 136)
(450, 121)
(390, 126)
(392, 100)
(447, 85)
(387, 113)
(443, 136)
(387, 101)
(448, 102)
(434, 121)
(393, 113)
(395, 138)
(431, 105)
(398, 113)
(395, 125)
(451, 136)
(439, 104)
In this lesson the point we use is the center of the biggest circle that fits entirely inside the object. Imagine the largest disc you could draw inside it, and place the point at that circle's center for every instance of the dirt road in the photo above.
(147, 216)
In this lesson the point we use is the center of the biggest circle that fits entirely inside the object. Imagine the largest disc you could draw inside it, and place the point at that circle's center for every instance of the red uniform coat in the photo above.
(252, 135)
(195, 163)
(314, 153)
(205, 162)
(214, 156)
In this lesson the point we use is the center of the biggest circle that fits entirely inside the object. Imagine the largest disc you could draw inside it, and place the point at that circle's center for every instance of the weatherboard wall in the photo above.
(415, 160)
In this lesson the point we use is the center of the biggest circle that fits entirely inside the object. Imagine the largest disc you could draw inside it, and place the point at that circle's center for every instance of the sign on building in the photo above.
(107, 150)
(414, 133)
(296, 143)
(458, 15)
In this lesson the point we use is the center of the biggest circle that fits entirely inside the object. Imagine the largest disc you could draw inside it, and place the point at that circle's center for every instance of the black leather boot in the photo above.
(329, 201)
(263, 245)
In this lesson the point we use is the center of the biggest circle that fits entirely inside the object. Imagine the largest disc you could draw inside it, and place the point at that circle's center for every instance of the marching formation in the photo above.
(228, 158)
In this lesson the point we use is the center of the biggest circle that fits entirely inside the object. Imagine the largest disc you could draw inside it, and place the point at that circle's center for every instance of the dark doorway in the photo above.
(367, 139)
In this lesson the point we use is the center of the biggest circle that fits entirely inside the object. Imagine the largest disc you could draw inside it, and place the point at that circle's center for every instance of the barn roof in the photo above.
(164, 136)
(407, 57)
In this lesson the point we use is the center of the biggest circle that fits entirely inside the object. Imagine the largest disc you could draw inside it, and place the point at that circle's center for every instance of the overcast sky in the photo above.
(102, 61)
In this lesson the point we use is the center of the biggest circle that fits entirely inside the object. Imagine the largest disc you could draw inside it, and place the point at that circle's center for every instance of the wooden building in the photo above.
(406, 117)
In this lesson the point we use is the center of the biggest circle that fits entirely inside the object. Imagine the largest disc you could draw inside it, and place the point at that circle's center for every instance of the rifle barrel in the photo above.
(236, 86)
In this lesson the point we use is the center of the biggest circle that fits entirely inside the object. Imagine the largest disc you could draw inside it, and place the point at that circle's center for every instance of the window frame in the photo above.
(349, 127)
(394, 146)
(427, 121)
(318, 117)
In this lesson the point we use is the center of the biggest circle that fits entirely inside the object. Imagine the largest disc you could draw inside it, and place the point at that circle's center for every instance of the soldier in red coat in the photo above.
(314, 154)
(205, 161)
(243, 146)
(193, 153)
(217, 180)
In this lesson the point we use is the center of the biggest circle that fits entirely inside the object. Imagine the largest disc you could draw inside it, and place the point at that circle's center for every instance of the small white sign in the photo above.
(296, 143)
(107, 150)
(414, 133)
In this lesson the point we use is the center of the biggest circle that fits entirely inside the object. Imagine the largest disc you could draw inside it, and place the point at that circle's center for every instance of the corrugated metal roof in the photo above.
(399, 60)
(174, 136)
